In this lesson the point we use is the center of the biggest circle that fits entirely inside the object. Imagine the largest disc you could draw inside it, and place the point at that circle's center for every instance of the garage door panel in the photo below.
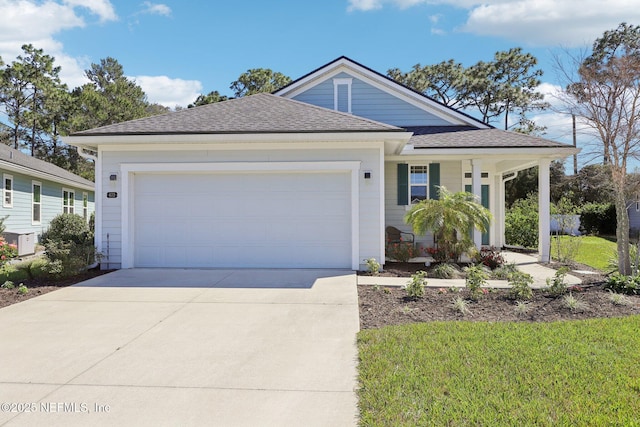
(242, 220)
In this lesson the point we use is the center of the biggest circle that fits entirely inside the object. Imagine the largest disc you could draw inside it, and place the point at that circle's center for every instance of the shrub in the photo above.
(521, 222)
(476, 278)
(522, 308)
(8, 285)
(556, 286)
(621, 284)
(573, 303)
(68, 245)
(22, 289)
(520, 286)
(619, 299)
(461, 306)
(7, 251)
(401, 252)
(438, 255)
(445, 271)
(491, 257)
(598, 218)
(373, 266)
(415, 288)
(504, 271)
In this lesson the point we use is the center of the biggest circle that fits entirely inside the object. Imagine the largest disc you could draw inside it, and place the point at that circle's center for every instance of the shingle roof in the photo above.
(260, 113)
(471, 137)
(18, 158)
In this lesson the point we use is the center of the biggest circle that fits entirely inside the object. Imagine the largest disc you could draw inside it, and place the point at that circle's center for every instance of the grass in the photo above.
(501, 374)
(593, 251)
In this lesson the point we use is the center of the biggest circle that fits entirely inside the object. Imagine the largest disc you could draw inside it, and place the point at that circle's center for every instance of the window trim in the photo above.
(6, 177)
(34, 203)
(71, 197)
(85, 205)
(425, 185)
(345, 81)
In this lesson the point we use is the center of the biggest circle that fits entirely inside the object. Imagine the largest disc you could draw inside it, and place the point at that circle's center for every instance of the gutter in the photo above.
(85, 154)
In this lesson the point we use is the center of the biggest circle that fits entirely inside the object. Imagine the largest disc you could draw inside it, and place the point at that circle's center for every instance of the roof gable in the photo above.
(445, 115)
(261, 113)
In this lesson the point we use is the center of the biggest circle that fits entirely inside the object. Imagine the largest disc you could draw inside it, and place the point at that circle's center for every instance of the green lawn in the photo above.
(590, 250)
(501, 374)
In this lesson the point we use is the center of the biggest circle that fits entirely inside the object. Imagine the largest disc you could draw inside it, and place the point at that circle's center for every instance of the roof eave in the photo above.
(480, 152)
(93, 141)
(44, 175)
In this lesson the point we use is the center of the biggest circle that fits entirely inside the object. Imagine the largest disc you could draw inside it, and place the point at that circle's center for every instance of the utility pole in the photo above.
(575, 144)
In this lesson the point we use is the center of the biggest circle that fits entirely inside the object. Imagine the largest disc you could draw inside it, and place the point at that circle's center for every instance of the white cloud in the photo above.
(365, 5)
(23, 21)
(37, 22)
(169, 92)
(567, 23)
(156, 9)
(103, 8)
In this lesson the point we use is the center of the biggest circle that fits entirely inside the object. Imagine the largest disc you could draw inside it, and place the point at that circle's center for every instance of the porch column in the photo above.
(498, 211)
(476, 189)
(544, 212)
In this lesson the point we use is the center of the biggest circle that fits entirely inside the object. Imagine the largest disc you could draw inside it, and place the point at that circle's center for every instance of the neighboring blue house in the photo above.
(35, 191)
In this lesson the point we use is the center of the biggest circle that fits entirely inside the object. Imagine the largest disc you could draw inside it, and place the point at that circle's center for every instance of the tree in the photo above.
(30, 86)
(259, 80)
(109, 98)
(450, 218)
(442, 81)
(605, 92)
(505, 85)
(210, 98)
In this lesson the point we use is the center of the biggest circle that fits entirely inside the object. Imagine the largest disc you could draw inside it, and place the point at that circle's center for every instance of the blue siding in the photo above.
(19, 217)
(372, 103)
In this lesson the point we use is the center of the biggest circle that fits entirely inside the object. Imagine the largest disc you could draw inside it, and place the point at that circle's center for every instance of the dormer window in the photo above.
(342, 94)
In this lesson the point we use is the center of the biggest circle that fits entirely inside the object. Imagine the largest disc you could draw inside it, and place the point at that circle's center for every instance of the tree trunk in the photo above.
(622, 222)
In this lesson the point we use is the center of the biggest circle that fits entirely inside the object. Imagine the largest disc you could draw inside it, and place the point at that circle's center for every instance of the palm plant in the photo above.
(450, 218)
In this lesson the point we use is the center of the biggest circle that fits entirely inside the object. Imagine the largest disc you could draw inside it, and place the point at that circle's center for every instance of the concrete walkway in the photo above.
(526, 263)
(184, 347)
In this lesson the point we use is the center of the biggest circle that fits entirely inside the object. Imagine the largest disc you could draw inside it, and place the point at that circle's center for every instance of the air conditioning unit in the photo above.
(25, 241)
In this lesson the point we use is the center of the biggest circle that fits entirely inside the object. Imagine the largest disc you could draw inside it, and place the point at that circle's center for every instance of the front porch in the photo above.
(408, 180)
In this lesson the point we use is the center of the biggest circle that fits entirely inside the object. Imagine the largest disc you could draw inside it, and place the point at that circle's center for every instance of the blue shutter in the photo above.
(434, 180)
(403, 184)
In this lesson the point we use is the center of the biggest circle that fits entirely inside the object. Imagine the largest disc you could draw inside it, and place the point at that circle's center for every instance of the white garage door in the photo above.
(285, 220)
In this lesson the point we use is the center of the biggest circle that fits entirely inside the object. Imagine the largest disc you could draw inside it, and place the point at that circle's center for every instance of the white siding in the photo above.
(372, 103)
(369, 197)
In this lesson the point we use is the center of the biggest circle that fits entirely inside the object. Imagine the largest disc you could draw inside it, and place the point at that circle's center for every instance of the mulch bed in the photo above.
(42, 285)
(382, 306)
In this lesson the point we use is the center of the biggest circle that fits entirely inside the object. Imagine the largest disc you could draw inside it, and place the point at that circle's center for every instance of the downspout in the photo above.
(86, 155)
(89, 156)
(502, 206)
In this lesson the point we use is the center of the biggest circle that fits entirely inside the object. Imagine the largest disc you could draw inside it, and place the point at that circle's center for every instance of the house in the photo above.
(309, 176)
(35, 191)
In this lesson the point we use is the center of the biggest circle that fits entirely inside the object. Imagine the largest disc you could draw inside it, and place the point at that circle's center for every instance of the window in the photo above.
(68, 197)
(36, 192)
(7, 191)
(342, 95)
(85, 206)
(418, 183)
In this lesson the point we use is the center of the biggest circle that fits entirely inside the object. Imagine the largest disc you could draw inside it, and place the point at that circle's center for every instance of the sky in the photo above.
(178, 49)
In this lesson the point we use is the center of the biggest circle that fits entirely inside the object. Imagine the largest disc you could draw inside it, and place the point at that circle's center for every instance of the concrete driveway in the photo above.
(170, 347)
